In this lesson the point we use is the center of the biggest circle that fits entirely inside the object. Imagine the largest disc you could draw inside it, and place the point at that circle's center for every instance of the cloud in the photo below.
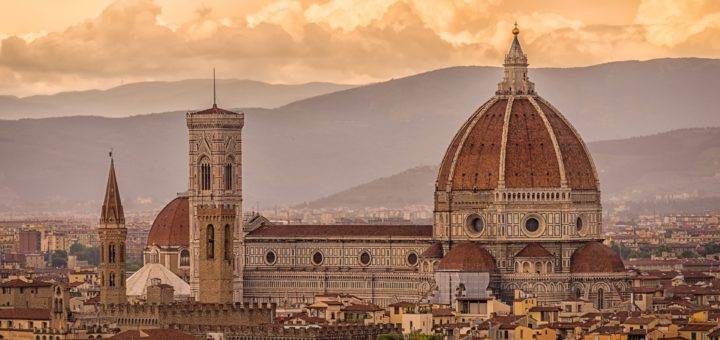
(341, 40)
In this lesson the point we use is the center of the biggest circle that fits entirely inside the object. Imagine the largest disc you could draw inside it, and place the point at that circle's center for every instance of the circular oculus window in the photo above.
(476, 224)
(270, 257)
(365, 258)
(532, 224)
(412, 259)
(317, 258)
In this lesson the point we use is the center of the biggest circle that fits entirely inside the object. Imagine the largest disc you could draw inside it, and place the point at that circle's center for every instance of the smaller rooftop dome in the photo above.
(172, 225)
(595, 257)
(534, 250)
(467, 257)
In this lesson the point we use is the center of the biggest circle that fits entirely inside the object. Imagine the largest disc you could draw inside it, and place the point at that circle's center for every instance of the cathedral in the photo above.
(516, 208)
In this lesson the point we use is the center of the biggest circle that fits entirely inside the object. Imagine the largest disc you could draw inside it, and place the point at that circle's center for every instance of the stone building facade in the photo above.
(517, 203)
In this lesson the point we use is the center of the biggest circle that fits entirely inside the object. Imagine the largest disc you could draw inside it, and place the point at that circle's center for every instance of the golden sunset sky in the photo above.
(58, 45)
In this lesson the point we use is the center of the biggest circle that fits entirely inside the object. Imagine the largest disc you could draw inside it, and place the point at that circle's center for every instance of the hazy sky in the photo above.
(56, 45)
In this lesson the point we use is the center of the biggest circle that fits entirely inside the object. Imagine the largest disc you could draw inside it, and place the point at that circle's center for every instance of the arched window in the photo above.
(526, 268)
(600, 298)
(205, 176)
(538, 267)
(111, 253)
(210, 244)
(228, 175)
(112, 280)
(227, 243)
(184, 258)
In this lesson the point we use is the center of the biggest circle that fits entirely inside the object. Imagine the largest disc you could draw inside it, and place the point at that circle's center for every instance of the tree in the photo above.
(58, 259)
(688, 254)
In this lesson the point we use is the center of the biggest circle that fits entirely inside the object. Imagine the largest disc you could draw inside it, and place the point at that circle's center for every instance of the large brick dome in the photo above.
(518, 142)
(171, 227)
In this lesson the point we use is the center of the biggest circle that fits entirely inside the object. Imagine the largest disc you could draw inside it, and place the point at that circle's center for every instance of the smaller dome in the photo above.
(172, 225)
(595, 257)
(468, 257)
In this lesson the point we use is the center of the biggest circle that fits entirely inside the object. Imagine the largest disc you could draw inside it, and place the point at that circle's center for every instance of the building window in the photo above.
(270, 257)
(205, 176)
(112, 280)
(317, 258)
(365, 258)
(476, 223)
(532, 224)
(111, 253)
(227, 242)
(228, 176)
(601, 298)
(184, 258)
(412, 259)
(210, 242)
(578, 224)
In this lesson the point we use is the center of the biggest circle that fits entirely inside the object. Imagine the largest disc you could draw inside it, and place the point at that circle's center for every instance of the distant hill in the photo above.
(406, 188)
(160, 96)
(322, 145)
(672, 166)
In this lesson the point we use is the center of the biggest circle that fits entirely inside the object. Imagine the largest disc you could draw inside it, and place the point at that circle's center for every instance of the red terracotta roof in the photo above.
(442, 312)
(698, 327)
(435, 251)
(25, 314)
(171, 227)
(545, 309)
(361, 308)
(472, 160)
(533, 250)
(468, 257)
(22, 284)
(342, 230)
(595, 257)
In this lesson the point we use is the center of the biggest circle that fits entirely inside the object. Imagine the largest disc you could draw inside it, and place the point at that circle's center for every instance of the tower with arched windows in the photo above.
(112, 234)
(215, 195)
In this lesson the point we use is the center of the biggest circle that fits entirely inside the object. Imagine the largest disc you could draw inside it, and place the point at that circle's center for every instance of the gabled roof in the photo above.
(534, 249)
(435, 251)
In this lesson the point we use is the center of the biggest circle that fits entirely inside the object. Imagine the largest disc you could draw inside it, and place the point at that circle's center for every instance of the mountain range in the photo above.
(321, 145)
(675, 165)
(160, 96)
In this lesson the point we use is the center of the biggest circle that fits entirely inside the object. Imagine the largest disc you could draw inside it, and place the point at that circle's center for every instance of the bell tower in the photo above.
(215, 194)
(112, 234)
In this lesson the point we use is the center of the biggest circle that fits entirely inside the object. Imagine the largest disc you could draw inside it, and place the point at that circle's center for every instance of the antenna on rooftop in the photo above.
(214, 93)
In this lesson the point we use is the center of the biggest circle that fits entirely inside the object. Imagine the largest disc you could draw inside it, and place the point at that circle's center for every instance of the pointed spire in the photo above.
(112, 210)
(515, 80)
